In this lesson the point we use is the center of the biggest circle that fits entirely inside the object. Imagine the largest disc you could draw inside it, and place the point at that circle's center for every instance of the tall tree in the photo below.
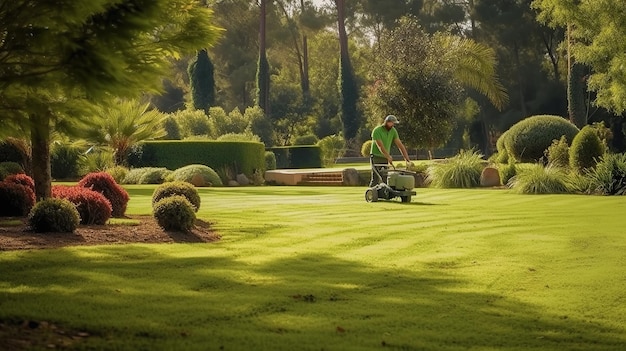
(415, 80)
(576, 86)
(86, 50)
(347, 82)
(263, 68)
(597, 39)
(202, 81)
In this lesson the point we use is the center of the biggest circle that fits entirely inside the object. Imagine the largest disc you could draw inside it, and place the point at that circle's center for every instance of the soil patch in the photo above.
(15, 234)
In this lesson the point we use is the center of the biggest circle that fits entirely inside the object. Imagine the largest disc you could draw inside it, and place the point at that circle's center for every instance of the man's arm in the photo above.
(405, 154)
(382, 149)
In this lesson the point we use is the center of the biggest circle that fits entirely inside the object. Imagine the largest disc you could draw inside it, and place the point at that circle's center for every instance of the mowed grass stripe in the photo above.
(318, 268)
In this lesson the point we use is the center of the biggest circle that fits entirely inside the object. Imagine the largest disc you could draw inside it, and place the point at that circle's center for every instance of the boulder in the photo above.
(233, 183)
(420, 180)
(198, 180)
(350, 177)
(243, 180)
(490, 177)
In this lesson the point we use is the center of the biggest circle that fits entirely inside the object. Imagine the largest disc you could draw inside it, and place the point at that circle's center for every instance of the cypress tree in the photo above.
(263, 83)
(263, 67)
(347, 82)
(349, 99)
(202, 81)
(576, 87)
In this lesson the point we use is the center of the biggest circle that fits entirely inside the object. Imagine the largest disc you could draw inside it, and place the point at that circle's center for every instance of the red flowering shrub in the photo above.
(103, 183)
(22, 179)
(92, 206)
(16, 199)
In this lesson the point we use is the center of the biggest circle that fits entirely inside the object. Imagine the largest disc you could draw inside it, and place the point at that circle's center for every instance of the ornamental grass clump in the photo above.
(609, 175)
(538, 179)
(460, 171)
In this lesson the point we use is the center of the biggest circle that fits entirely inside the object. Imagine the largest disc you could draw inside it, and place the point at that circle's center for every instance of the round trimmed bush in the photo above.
(308, 139)
(118, 173)
(54, 215)
(507, 171)
(175, 213)
(172, 129)
(586, 150)
(154, 176)
(16, 199)
(366, 148)
(92, 206)
(134, 175)
(527, 140)
(198, 175)
(21, 179)
(558, 153)
(11, 168)
(270, 161)
(177, 188)
(503, 156)
(103, 183)
(14, 150)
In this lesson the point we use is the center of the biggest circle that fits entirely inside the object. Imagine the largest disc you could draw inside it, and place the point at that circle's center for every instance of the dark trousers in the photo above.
(382, 170)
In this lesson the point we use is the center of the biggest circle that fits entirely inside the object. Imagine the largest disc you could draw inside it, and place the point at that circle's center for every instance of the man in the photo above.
(382, 138)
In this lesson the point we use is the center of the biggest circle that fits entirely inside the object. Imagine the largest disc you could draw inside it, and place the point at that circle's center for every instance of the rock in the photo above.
(233, 183)
(198, 180)
(490, 177)
(351, 177)
(420, 180)
(243, 180)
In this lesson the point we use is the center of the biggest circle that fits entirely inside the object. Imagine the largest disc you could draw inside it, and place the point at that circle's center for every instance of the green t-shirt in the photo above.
(386, 136)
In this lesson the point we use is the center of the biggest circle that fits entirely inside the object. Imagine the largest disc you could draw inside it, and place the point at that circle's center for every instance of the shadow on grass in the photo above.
(139, 297)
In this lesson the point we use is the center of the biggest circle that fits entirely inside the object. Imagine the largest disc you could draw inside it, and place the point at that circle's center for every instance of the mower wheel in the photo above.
(371, 195)
(406, 199)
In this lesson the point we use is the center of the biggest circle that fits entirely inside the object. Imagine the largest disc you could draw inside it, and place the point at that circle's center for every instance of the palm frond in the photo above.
(475, 67)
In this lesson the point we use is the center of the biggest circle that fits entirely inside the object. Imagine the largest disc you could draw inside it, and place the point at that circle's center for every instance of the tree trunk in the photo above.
(348, 87)
(263, 77)
(306, 83)
(576, 88)
(306, 86)
(40, 144)
(343, 36)
(302, 56)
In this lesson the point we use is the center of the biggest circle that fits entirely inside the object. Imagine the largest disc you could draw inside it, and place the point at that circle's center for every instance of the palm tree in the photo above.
(474, 66)
(124, 123)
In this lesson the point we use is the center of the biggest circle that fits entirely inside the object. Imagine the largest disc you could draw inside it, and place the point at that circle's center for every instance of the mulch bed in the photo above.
(21, 237)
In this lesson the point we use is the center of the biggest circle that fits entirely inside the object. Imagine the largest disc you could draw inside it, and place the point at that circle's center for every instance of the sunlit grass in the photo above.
(11, 222)
(305, 268)
(124, 222)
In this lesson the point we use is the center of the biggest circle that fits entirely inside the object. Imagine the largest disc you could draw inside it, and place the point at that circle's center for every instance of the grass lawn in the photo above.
(320, 269)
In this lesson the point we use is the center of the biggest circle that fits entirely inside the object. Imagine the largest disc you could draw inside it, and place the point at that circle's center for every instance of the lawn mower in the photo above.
(399, 183)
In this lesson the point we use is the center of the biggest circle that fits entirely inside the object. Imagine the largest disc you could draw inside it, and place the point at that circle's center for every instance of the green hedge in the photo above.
(298, 156)
(245, 157)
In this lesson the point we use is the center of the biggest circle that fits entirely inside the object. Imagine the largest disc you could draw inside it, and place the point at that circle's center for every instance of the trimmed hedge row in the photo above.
(246, 157)
(298, 156)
